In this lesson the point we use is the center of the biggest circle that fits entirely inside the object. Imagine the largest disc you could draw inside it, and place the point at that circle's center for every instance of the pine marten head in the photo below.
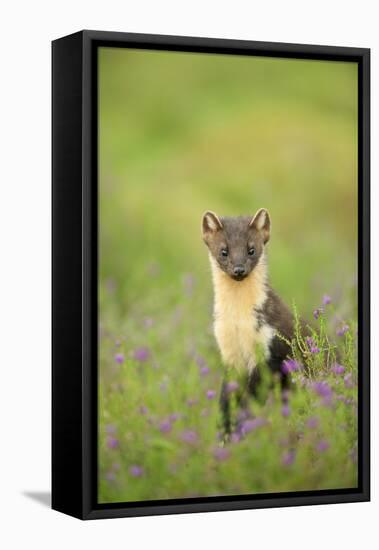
(236, 244)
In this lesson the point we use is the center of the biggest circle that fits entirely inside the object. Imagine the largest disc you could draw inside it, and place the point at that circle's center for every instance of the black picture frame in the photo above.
(74, 273)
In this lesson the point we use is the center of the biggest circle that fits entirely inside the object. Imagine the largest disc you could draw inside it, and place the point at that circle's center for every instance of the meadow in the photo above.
(180, 134)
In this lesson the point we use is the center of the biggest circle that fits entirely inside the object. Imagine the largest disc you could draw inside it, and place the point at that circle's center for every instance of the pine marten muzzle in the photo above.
(248, 314)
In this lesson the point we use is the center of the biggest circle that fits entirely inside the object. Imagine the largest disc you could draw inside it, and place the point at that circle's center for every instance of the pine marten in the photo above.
(248, 314)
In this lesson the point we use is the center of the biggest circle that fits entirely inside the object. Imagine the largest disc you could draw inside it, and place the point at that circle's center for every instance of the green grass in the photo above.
(180, 134)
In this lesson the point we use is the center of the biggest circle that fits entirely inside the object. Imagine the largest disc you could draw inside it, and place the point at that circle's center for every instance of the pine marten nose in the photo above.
(239, 270)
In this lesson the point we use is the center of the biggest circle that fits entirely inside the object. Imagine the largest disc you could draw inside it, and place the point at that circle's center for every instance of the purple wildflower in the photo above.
(174, 416)
(313, 422)
(312, 345)
(286, 395)
(322, 389)
(327, 401)
(290, 365)
(326, 300)
(338, 369)
(141, 354)
(189, 436)
(322, 446)
(348, 380)
(317, 312)
(143, 409)
(232, 386)
(112, 442)
(165, 426)
(189, 283)
(163, 386)
(136, 471)
(200, 361)
(342, 330)
(243, 414)
(110, 429)
(110, 285)
(221, 453)
(286, 411)
(211, 394)
(148, 322)
(192, 401)
(288, 458)
(348, 400)
(119, 358)
(235, 437)
(250, 425)
(204, 370)
(110, 476)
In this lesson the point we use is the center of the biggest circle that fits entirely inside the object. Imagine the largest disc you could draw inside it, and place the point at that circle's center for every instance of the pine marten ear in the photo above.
(211, 223)
(262, 223)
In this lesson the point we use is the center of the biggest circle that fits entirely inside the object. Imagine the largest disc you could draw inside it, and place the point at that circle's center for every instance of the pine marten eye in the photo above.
(224, 252)
(251, 251)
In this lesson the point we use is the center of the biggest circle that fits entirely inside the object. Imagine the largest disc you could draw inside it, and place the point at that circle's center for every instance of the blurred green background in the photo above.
(180, 133)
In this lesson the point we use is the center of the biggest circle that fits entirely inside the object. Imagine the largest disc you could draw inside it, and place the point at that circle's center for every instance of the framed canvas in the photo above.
(210, 274)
